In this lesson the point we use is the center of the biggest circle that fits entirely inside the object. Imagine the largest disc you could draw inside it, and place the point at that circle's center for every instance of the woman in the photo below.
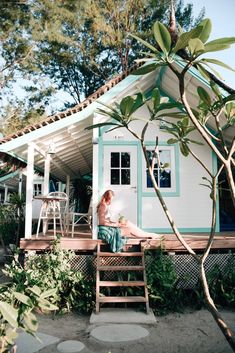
(115, 233)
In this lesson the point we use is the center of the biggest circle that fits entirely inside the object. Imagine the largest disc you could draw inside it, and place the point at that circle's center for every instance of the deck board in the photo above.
(83, 242)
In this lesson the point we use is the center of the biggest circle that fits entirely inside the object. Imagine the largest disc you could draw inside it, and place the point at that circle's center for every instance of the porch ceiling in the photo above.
(73, 150)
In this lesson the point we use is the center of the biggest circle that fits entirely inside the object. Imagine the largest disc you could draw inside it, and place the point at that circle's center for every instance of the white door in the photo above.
(120, 175)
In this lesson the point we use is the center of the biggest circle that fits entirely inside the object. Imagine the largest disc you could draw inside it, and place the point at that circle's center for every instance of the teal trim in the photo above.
(100, 166)
(214, 170)
(120, 143)
(9, 176)
(181, 230)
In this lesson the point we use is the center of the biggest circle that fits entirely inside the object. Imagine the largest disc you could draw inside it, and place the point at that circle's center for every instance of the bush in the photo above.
(52, 270)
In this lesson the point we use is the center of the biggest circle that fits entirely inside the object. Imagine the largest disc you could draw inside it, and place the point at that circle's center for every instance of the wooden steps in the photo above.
(108, 264)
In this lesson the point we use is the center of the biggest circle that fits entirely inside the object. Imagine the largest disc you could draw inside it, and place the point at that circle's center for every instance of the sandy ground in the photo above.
(190, 332)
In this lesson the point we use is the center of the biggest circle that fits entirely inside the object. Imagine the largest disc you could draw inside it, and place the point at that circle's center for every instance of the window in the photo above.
(164, 170)
(120, 173)
(37, 189)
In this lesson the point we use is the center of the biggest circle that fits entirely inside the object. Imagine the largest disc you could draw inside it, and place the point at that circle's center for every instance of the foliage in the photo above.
(162, 282)
(12, 219)
(52, 270)
(222, 282)
(73, 46)
(18, 300)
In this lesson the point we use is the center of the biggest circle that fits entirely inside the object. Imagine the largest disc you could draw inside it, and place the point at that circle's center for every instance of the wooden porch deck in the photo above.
(83, 242)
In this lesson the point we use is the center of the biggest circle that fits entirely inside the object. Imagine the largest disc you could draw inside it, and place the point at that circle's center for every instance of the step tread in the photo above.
(121, 283)
(120, 268)
(129, 299)
(121, 254)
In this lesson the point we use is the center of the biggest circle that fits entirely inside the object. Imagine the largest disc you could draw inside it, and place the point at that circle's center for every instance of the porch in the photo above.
(83, 242)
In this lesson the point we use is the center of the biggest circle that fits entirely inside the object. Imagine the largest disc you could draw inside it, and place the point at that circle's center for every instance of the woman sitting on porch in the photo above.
(116, 233)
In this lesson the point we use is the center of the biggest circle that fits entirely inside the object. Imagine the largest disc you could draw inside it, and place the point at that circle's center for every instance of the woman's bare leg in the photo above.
(131, 229)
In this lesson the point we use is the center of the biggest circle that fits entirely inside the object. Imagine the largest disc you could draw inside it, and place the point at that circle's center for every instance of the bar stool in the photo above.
(54, 207)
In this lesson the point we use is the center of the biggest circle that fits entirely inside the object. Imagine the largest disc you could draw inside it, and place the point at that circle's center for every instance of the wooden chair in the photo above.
(76, 217)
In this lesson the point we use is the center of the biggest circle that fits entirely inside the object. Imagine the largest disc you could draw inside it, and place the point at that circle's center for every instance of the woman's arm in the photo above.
(103, 220)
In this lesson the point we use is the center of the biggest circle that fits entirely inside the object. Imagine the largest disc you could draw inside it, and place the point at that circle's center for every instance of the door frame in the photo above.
(102, 144)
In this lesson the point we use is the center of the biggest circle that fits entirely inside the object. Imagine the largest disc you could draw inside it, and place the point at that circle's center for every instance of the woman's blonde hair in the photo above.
(105, 197)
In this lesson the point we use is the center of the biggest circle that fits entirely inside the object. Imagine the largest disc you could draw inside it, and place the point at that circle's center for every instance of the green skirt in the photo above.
(112, 235)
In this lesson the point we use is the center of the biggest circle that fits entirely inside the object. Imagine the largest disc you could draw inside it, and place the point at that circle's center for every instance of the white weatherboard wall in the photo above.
(189, 202)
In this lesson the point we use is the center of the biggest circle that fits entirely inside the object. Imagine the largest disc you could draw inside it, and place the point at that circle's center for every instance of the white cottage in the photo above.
(115, 158)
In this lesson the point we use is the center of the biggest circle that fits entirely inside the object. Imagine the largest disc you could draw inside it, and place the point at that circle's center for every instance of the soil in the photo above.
(190, 332)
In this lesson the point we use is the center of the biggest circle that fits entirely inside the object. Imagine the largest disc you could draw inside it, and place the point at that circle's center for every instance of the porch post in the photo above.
(20, 184)
(68, 187)
(5, 193)
(95, 177)
(46, 174)
(29, 191)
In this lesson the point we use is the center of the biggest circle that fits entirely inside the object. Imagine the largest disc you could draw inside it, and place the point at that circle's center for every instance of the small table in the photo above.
(50, 209)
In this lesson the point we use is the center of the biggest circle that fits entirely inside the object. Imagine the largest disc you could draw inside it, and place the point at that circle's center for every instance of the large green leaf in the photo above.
(146, 44)
(210, 47)
(162, 36)
(183, 40)
(9, 313)
(218, 62)
(156, 98)
(222, 41)
(48, 293)
(172, 141)
(22, 298)
(143, 70)
(204, 96)
(206, 29)
(126, 105)
(138, 102)
(31, 322)
(184, 149)
(195, 46)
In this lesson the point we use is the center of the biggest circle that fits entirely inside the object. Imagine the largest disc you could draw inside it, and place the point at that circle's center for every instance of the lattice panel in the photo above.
(186, 267)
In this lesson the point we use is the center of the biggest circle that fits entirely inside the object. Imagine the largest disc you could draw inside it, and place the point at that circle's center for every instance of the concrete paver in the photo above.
(122, 316)
(119, 332)
(70, 346)
(29, 344)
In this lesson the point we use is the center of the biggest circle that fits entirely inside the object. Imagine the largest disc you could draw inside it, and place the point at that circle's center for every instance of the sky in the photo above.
(221, 14)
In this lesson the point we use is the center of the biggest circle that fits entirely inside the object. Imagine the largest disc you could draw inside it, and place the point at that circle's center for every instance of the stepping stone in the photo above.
(119, 333)
(26, 343)
(70, 347)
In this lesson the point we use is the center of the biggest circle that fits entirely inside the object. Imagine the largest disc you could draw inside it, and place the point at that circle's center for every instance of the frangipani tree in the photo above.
(183, 119)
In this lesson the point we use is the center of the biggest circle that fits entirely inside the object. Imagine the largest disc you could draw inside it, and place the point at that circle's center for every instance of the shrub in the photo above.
(52, 270)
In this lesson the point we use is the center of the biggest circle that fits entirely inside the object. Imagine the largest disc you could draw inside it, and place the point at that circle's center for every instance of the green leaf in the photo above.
(48, 293)
(183, 40)
(35, 289)
(223, 41)
(143, 70)
(156, 97)
(126, 105)
(46, 305)
(31, 322)
(203, 71)
(218, 62)
(184, 149)
(162, 36)
(206, 29)
(9, 313)
(101, 125)
(146, 44)
(172, 141)
(204, 95)
(22, 298)
(138, 102)
(215, 89)
(195, 46)
(210, 47)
